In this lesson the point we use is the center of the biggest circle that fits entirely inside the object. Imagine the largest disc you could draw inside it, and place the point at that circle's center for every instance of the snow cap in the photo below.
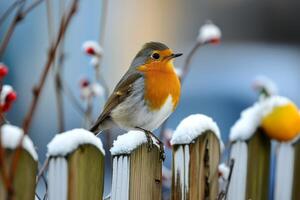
(128, 142)
(264, 82)
(209, 32)
(223, 171)
(251, 117)
(10, 138)
(65, 143)
(192, 127)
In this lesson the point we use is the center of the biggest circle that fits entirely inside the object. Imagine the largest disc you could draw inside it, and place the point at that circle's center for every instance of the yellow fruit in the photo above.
(283, 123)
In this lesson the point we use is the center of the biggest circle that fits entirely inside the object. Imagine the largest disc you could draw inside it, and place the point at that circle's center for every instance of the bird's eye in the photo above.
(155, 56)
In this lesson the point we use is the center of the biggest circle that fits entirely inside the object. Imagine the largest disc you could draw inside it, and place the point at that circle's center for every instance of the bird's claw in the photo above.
(162, 155)
(150, 144)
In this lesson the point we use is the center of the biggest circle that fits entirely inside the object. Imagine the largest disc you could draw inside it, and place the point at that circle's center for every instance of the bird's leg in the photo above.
(161, 144)
(149, 139)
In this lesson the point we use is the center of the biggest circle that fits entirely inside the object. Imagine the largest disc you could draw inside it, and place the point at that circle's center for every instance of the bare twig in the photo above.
(7, 36)
(42, 170)
(51, 55)
(9, 10)
(229, 177)
(20, 15)
(38, 89)
(31, 7)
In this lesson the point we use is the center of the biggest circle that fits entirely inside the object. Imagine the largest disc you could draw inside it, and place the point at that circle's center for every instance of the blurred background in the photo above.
(258, 38)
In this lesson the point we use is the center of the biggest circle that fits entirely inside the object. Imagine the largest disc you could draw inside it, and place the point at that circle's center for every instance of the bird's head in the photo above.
(154, 55)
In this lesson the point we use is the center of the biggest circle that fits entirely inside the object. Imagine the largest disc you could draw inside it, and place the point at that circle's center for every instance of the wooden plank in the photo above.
(259, 148)
(85, 173)
(296, 182)
(284, 171)
(24, 181)
(204, 161)
(196, 164)
(178, 173)
(237, 186)
(145, 174)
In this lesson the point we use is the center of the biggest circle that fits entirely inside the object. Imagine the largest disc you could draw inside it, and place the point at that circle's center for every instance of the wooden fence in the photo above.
(76, 166)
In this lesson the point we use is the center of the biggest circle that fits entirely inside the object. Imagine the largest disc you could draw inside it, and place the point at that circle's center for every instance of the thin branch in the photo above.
(51, 55)
(9, 10)
(7, 36)
(20, 15)
(31, 7)
(37, 90)
(229, 177)
(42, 170)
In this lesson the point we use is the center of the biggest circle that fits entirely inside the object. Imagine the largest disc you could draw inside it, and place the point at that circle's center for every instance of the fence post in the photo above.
(284, 171)
(258, 166)
(196, 155)
(24, 181)
(237, 185)
(296, 182)
(76, 166)
(137, 172)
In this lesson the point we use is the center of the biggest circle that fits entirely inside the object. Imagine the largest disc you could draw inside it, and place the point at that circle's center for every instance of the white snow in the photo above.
(93, 45)
(262, 81)
(208, 32)
(10, 137)
(6, 89)
(193, 126)
(95, 61)
(251, 117)
(65, 143)
(97, 89)
(128, 142)
(224, 171)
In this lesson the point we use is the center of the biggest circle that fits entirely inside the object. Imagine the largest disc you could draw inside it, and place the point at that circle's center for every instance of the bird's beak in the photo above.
(176, 55)
(173, 55)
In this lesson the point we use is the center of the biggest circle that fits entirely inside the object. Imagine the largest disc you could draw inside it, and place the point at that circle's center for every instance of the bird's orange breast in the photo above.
(160, 82)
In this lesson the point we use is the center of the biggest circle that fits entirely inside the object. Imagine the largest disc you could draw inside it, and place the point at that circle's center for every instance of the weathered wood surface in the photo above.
(145, 179)
(195, 169)
(24, 181)
(85, 174)
(259, 149)
(296, 182)
(78, 176)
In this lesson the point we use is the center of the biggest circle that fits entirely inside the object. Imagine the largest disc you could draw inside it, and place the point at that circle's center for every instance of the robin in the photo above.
(146, 95)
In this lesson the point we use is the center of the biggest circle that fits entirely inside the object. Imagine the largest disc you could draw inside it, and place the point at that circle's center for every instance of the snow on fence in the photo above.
(76, 166)
(24, 179)
(137, 172)
(196, 155)
(251, 150)
(251, 138)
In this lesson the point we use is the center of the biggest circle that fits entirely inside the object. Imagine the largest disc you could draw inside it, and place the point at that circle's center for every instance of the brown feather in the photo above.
(120, 93)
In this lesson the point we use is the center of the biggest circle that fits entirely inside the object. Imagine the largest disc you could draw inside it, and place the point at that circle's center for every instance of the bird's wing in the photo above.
(121, 91)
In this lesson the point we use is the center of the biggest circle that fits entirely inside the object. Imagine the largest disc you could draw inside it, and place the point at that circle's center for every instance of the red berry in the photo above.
(6, 107)
(3, 70)
(90, 51)
(215, 41)
(12, 96)
(84, 83)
